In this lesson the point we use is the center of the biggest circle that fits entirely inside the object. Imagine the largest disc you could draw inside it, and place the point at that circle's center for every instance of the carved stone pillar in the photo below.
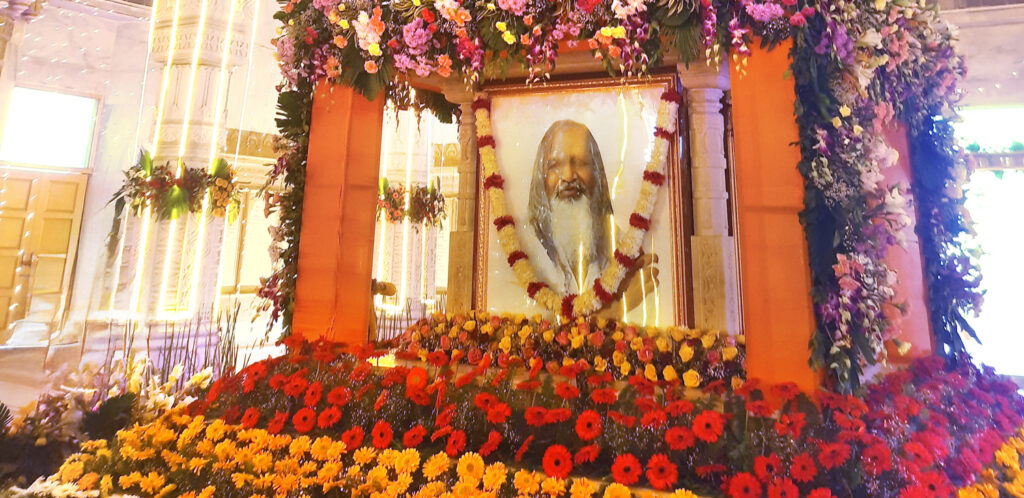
(716, 292)
(462, 241)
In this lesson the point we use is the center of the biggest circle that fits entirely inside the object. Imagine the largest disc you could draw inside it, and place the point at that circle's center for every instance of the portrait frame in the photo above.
(676, 193)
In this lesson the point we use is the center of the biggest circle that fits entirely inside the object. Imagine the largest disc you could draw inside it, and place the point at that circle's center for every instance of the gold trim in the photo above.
(678, 190)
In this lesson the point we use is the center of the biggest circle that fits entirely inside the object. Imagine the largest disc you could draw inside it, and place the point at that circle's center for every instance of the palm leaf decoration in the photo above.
(6, 417)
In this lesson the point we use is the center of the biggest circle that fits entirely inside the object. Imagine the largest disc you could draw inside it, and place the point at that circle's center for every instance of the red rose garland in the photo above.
(630, 240)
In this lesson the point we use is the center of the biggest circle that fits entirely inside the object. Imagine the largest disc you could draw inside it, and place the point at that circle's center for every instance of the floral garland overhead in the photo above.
(858, 66)
(629, 245)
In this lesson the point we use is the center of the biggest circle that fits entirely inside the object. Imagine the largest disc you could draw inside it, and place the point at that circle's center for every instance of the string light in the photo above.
(384, 152)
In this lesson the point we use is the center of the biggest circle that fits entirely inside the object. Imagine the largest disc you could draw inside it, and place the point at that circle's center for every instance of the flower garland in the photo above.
(426, 203)
(628, 247)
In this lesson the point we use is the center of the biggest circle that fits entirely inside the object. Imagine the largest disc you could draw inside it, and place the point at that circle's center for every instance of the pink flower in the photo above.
(797, 20)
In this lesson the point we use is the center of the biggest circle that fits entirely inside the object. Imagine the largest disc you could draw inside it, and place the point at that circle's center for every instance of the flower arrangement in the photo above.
(421, 204)
(629, 245)
(171, 192)
(589, 346)
(391, 201)
(223, 191)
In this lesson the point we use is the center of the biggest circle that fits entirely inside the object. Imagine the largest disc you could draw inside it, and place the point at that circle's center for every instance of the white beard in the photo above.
(572, 230)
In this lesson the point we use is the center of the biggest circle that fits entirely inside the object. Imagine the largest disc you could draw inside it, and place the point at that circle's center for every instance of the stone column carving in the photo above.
(716, 292)
(462, 241)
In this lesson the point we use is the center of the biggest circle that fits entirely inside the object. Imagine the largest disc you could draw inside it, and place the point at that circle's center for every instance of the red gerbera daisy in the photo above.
(917, 454)
(588, 425)
(820, 493)
(314, 393)
(484, 401)
(786, 391)
(760, 408)
(766, 466)
(604, 396)
(833, 455)
(381, 434)
(680, 438)
(708, 425)
(653, 419)
(339, 396)
(803, 468)
(498, 412)
(437, 359)
(783, 488)
(744, 485)
(566, 390)
(626, 469)
(250, 418)
(876, 459)
(791, 424)
(587, 454)
(661, 472)
(416, 378)
(295, 386)
(327, 418)
(493, 440)
(680, 407)
(523, 448)
(413, 437)
(557, 461)
(353, 438)
(535, 416)
(557, 415)
(277, 381)
(304, 420)
(276, 424)
(456, 443)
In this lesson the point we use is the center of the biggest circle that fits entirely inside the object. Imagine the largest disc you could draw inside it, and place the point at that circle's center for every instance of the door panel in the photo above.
(40, 218)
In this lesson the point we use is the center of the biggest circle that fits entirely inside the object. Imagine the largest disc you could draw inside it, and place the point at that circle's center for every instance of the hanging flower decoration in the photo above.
(170, 192)
(425, 203)
(601, 293)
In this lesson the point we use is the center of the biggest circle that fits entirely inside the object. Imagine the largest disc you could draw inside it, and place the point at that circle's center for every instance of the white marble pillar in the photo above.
(462, 241)
(714, 261)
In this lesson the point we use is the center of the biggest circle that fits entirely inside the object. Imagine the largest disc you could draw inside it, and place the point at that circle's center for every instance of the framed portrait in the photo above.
(572, 155)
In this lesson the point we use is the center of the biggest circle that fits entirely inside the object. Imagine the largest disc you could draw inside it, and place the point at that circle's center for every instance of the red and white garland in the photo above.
(629, 243)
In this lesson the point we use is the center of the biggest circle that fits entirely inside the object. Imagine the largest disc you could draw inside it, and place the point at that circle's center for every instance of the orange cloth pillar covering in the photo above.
(778, 317)
(332, 295)
(914, 327)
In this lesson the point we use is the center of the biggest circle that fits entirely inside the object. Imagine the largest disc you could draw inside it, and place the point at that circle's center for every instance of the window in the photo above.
(48, 129)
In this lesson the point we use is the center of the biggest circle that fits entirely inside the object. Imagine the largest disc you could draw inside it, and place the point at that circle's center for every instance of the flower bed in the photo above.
(596, 345)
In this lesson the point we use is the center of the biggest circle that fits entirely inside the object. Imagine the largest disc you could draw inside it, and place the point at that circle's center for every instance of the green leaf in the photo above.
(113, 415)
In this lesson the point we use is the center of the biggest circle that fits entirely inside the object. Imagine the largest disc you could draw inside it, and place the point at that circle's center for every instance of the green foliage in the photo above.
(113, 415)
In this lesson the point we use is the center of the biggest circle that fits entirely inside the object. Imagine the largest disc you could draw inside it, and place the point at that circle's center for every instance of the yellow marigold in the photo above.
(1007, 457)
(152, 482)
(130, 480)
(216, 430)
(241, 479)
(691, 378)
(196, 464)
(207, 492)
(321, 448)
(494, 476)
(685, 353)
(408, 461)
(71, 470)
(683, 493)
(470, 468)
(729, 353)
(400, 485)
(285, 483)
(364, 455)
(553, 487)
(377, 478)
(526, 482)
(354, 471)
(225, 450)
(299, 446)
(106, 484)
(435, 466)
(464, 488)
(431, 490)
(88, 481)
(651, 372)
(582, 488)
(616, 490)
(387, 458)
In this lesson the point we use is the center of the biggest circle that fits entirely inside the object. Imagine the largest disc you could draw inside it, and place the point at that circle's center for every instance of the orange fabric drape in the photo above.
(778, 315)
(332, 296)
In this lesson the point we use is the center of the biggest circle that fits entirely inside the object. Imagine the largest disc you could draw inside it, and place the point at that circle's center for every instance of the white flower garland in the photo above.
(629, 245)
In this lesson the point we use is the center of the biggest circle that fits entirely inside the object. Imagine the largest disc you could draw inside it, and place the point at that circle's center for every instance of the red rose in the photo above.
(493, 440)
(588, 425)
(766, 467)
(604, 396)
(304, 420)
(498, 413)
(535, 416)
(744, 485)
(680, 438)
(456, 443)
(833, 455)
(276, 424)
(587, 454)
(626, 469)
(708, 426)
(803, 468)
(313, 394)
(413, 437)
(783, 488)
(339, 396)
(557, 461)
(327, 418)
(250, 418)
(353, 438)
(661, 472)
(381, 435)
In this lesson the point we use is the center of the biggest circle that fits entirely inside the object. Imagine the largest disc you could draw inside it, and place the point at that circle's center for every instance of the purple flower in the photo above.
(416, 37)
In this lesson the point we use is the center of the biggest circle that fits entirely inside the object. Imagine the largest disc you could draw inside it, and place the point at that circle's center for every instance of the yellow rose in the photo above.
(838, 123)
(577, 341)
(709, 340)
(691, 378)
(549, 335)
(729, 353)
(618, 358)
(676, 333)
(525, 332)
(845, 111)
(636, 344)
(501, 26)
(567, 361)
(606, 31)
(490, 6)
(619, 32)
(625, 368)
(685, 353)
(508, 37)
(651, 373)
(617, 335)
(505, 344)
(602, 323)
(662, 344)
(669, 373)
(741, 339)
(600, 364)
(469, 325)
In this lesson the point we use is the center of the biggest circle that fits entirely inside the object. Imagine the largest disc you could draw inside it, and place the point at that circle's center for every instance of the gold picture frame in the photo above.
(677, 190)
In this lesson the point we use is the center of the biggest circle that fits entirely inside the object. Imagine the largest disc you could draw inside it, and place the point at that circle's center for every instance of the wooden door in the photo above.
(40, 219)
